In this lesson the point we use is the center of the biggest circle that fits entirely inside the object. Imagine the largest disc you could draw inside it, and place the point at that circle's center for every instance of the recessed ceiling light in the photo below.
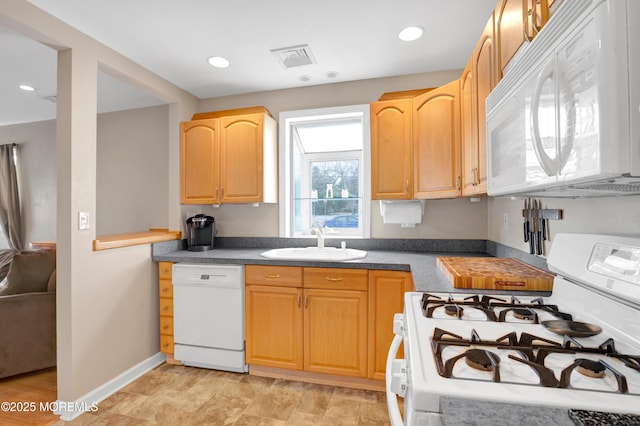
(410, 33)
(218, 61)
(304, 78)
(332, 74)
(27, 88)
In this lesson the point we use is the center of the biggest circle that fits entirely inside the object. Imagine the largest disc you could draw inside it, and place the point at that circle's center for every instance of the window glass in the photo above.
(325, 174)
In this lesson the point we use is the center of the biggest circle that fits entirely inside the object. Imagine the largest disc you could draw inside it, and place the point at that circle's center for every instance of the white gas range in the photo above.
(577, 349)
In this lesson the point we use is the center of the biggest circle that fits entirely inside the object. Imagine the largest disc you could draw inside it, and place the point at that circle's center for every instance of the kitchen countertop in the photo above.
(466, 412)
(422, 265)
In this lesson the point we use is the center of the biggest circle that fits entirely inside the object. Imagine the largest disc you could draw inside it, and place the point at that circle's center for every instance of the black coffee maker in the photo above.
(200, 233)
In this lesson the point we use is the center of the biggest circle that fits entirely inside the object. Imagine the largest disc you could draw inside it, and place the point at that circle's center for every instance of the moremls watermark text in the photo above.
(54, 406)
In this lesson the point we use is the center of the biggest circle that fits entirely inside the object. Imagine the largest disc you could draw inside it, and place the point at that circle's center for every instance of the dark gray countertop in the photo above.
(466, 412)
(422, 265)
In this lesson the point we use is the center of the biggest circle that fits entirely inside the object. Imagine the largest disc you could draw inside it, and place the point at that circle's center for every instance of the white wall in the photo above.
(609, 215)
(132, 174)
(443, 218)
(37, 177)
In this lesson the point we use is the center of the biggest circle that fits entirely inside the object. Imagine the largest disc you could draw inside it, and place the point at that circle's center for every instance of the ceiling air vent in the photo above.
(294, 56)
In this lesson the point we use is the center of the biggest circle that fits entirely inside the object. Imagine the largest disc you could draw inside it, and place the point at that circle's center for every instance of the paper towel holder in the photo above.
(408, 220)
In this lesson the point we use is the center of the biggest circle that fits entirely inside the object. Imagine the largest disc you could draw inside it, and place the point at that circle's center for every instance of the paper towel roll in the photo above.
(405, 213)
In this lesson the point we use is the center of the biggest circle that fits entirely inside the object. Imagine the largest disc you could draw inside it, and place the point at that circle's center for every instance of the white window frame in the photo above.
(287, 120)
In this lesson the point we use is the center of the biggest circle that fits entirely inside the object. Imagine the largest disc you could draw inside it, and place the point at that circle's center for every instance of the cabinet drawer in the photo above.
(166, 326)
(166, 307)
(336, 278)
(166, 289)
(166, 344)
(283, 276)
(164, 270)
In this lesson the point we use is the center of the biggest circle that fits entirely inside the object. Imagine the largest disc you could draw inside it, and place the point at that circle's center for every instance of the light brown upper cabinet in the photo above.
(229, 159)
(515, 22)
(199, 159)
(477, 80)
(391, 157)
(436, 143)
(468, 129)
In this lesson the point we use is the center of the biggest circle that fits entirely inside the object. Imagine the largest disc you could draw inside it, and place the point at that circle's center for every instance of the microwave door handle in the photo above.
(564, 150)
(547, 163)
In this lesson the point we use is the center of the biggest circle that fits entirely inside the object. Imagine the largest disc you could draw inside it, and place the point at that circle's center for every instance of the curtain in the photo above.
(10, 220)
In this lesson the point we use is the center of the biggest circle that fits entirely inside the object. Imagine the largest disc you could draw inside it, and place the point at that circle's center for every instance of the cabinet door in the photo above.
(484, 72)
(273, 320)
(436, 136)
(391, 168)
(537, 16)
(199, 152)
(468, 129)
(386, 298)
(510, 17)
(335, 332)
(517, 21)
(241, 152)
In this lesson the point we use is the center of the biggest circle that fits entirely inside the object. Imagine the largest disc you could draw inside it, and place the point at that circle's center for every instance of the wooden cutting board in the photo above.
(494, 273)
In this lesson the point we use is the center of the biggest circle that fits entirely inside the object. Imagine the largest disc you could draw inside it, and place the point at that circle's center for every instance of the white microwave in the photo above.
(565, 119)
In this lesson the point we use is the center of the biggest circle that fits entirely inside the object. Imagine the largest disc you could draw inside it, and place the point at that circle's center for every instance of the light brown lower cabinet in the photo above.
(166, 307)
(386, 298)
(335, 332)
(273, 326)
(322, 320)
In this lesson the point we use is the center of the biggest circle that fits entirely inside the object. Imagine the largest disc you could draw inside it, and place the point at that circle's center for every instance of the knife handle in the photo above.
(531, 245)
(526, 231)
(538, 242)
(543, 223)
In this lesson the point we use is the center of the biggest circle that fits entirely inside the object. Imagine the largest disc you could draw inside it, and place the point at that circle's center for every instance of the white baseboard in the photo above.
(69, 410)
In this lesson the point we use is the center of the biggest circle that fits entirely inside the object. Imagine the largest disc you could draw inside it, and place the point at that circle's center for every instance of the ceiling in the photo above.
(355, 39)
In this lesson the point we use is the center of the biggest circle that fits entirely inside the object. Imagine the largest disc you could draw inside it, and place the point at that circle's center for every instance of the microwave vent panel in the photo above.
(624, 185)
(294, 56)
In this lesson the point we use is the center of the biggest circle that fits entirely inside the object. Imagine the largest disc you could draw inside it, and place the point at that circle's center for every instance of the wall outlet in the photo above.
(505, 221)
(83, 221)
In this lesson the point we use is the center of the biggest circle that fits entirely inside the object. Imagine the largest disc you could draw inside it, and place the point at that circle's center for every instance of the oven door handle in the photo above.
(393, 407)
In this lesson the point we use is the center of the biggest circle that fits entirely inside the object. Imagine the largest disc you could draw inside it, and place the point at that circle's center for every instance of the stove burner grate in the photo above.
(597, 368)
(495, 309)
(533, 351)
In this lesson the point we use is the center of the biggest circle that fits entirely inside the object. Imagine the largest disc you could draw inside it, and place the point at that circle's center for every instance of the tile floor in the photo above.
(178, 395)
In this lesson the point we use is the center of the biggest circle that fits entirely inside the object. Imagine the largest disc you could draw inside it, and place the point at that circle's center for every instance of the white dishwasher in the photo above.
(208, 315)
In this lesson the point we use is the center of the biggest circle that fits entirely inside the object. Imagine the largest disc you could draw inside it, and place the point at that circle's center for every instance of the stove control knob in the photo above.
(399, 377)
(399, 384)
(398, 324)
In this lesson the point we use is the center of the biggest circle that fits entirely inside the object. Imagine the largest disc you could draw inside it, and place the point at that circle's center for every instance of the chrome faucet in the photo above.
(317, 230)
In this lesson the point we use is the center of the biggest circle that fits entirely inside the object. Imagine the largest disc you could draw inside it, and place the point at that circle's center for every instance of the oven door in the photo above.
(396, 381)
(398, 384)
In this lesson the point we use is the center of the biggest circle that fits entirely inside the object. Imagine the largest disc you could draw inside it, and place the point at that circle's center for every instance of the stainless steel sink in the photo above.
(323, 254)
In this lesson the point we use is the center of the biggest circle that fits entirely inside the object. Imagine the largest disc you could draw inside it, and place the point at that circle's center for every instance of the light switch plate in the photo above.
(83, 220)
